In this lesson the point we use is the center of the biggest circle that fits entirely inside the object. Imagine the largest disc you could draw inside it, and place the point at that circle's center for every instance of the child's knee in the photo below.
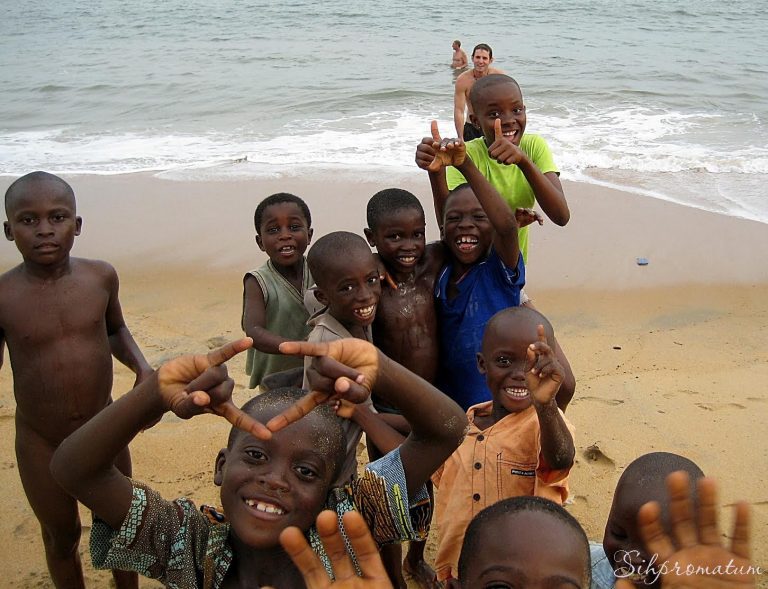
(61, 541)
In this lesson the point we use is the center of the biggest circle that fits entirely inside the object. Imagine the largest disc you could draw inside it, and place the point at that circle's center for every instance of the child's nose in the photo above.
(44, 227)
(275, 480)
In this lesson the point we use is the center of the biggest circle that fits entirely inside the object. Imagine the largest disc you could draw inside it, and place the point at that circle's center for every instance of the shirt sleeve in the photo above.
(381, 497)
(163, 540)
(541, 155)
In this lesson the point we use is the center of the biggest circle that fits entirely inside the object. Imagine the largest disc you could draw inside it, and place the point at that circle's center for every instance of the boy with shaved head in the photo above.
(62, 321)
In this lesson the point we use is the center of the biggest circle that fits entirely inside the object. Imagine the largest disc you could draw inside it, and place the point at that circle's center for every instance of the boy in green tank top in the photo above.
(273, 295)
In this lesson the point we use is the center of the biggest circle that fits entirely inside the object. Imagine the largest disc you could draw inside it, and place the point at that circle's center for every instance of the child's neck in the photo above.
(395, 279)
(293, 273)
(355, 330)
(253, 567)
(47, 273)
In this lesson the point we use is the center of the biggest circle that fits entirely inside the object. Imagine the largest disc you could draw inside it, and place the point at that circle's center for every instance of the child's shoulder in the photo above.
(95, 268)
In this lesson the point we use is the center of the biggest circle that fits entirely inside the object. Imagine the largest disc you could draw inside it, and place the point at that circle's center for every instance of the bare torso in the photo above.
(58, 344)
(405, 328)
(465, 82)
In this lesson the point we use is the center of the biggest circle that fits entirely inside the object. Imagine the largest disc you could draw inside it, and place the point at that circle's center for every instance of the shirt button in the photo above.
(480, 437)
(476, 496)
(478, 466)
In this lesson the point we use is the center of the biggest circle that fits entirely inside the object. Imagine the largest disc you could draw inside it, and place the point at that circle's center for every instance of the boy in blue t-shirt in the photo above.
(484, 275)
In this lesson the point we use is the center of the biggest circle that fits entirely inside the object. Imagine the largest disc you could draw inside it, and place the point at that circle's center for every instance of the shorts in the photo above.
(471, 132)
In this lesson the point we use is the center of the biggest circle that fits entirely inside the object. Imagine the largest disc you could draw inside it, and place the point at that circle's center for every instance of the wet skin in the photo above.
(405, 328)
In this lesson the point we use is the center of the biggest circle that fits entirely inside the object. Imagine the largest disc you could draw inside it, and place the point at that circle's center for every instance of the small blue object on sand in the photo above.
(642, 261)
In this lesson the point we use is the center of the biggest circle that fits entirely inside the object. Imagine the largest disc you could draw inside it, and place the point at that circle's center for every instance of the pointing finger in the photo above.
(227, 351)
(542, 336)
(497, 130)
(303, 348)
(296, 411)
(435, 131)
(241, 420)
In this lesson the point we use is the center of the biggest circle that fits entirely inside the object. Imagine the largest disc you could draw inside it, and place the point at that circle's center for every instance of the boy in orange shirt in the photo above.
(518, 444)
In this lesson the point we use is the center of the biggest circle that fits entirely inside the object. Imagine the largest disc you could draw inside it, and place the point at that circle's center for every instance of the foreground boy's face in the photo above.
(503, 361)
(351, 288)
(527, 550)
(42, 222)
(400, 239)
(284, 233)
(269, 485)
(500, 101)
(467, 231)
(622, 542)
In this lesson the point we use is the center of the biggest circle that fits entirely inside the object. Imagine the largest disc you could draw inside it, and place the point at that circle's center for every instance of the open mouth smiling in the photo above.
(466, 243)
(264, 507)
(365, 313)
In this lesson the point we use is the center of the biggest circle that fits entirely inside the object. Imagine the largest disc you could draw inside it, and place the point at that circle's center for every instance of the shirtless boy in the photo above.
(482, 58)
(62, 321)
(405, 327)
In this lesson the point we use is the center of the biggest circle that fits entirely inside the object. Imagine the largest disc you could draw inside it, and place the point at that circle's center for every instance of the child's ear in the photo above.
(320, 296)
(473, 120)
(310, 233)
(8, 231)
(259, 243)
(369, 237)
(218, 469)
(480, 363)
(78, 225)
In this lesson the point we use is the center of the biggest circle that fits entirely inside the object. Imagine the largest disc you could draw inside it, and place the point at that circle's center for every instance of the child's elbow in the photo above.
(561, 219)
(563, 460)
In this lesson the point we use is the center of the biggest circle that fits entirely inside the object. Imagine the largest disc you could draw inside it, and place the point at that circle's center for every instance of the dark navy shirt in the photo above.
(485, 289)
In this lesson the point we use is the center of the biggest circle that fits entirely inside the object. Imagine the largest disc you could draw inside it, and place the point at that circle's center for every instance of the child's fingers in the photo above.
(296, 546)
(652, 532)
(304, 348)
(366, 550)
(242, 420)
(211, 377)
(227, 351)
(298, 410)
(331, 368)
(680, 510)
(328, 528)
(542, 335)
(497, 134)
(740, 542)
(435, 131)
(707, 513)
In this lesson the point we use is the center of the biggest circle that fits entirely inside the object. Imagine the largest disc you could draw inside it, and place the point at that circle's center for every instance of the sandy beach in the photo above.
(672, 355)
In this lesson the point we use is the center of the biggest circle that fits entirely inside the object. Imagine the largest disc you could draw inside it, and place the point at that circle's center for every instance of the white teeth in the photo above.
(517, 392)
(365, 312)
(287, 249)
(265, 507)
(466, 239)
(408, 259)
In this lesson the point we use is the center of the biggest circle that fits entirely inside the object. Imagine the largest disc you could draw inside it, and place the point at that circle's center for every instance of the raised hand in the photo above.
(344, 368)
(696, 558)
(434, 153)
(502, 149)
(374, 576)
(525, 217)
(543, 373)
(198, 383)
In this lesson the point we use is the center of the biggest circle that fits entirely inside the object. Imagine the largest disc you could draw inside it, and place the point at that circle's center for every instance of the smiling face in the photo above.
(349, 286)
(481, 59)
(284, 233)
(42, 221)
(527, 550)
(504, 357)
(400, 239)
(467, 231)
(499, 100)
(269, 485)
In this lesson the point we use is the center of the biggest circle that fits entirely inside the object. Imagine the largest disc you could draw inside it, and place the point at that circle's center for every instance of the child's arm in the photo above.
(695, 558)
(2, 346)
(190, 385)
(121, 342)
(350, 368)
(378, 431)
(543, 376)
(546, 187)
(255, 318)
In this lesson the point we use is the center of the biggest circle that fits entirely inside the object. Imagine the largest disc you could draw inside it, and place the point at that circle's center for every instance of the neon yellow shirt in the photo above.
(508, 180)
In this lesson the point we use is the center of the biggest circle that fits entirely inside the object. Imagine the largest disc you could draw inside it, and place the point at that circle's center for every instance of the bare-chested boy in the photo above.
(482, 58)
(405, 327)
(62, 321)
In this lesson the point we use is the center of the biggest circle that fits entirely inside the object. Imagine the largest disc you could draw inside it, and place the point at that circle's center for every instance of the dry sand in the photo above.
(669, 356)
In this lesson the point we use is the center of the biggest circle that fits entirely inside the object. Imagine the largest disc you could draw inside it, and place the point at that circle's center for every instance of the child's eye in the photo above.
(345, 288)
(256, 454)
(451, 218)
(394, 237)
(59, 218)
(480, 217)
(503, 361)
(373, 279)
(295, 227)
(273, 229)
(517, 111)
(418, 234)
(306, 472)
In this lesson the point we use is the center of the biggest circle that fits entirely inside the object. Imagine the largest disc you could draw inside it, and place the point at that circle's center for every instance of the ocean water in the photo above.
(667, 99)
